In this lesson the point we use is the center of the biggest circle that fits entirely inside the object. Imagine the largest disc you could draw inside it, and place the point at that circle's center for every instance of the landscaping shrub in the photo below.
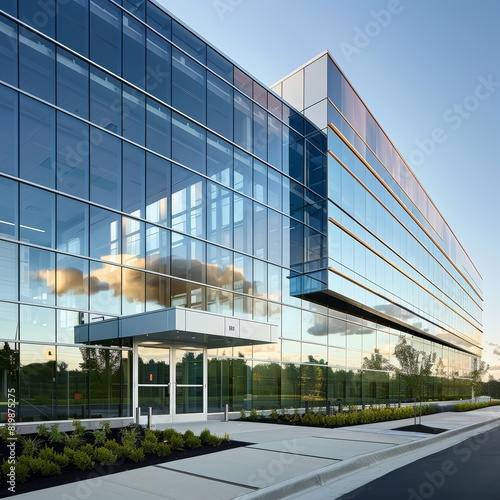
(22, 470)
(99, 437)
(475, 406)
(104, 456)
(79, 428)
(192, 442)
(82, 460)
(163, 449)
(30, 446)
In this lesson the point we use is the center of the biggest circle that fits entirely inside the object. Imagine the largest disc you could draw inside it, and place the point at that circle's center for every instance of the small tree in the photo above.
(414, 368)
(476, 375)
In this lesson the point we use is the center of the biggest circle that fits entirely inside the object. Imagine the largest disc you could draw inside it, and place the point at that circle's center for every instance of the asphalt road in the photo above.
(468, 470)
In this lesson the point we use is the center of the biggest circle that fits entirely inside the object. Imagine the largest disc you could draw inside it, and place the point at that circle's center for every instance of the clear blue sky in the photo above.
(417, 65)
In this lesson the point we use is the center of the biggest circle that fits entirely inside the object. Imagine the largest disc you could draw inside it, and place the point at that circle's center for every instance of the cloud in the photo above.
(493, 344)
(496, 351)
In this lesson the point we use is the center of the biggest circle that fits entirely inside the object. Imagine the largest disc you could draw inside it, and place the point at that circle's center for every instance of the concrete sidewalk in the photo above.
(281, 461)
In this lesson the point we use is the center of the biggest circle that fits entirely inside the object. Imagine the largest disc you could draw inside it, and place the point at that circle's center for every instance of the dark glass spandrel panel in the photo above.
(134, 180)
(220, 65)
(133, 115)
(157, 249)
(106, 172)
(72, 161)
(134, 51)
(72, 226)
(219, 160)
(219, 106)
(189, 42)
(105, 235)
(72, 83)
(242, 121)
(72, 282)
(158, 176)
(158, 128)
(9, 280)
(37, 65)
(8, 131)
(188, 86)
(243, 82)
(8, 51)
(159, 67)
(105, 101)
(37, 142)
(8, 208)
(188, 143)
(260, 132)
(39, 15)
(159, 20)
(243, 172)
(38, 279)
(105, 35)
(73, 25)
(243, 224)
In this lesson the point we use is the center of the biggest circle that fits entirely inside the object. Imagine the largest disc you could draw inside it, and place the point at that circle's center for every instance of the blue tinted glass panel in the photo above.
(158, 71)
(242, 121)
(9, 265)
(157, 251)
(260, 132)
(10, 6)
(219, 65)
(188, 143)
(105, 235)
(259, 231)
(274, 141)
(134, 180)
(243, 273)
(219, 267)
(73, 25)
(39, 16)
(37, 142)
(315, 170)
(243, 172)
(38, 283)
(106, 288)
(188, 86)
(274, 191)
(219, 106)
(158, 129)
(158, 175)
(8, 131)
(296, 156)
(73, 155)
(136, 7)
(133, 115)
(134, 51)
(296, 201)
(8, 208)
(159, 20)
(188, 259)
(72, 226)
(105, 101)
(259, 181)
(243, 82)
(105, 171)
(37, 216)
(219, 160)
(134, 242)
(243, 224)
(72, 282)
(189, 42)
(72, 83)
(8, 51)
(37, 65)
(274, 240)
(220, 211)
(105, 35)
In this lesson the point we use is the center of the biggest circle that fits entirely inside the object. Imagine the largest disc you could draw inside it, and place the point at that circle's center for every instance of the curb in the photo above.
(337, 471)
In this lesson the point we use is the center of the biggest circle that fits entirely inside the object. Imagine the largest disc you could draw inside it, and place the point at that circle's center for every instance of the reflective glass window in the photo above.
(8, 131)
(158, 174)
(72, 226)
(274, 141)
(315, 170)
(8, 52)
(133, 291)
(219, 65)
(296, 200)
(105, 171)
(220, 220)
(157, 292)
(8, 208)
(189, 42)
(188, 202)
(259, 181)
(243, 273)
(295, 148)
(37, 65)
(259, 278)
(188, 143)
(219, 106)
(274, 236)
(188, 258)
(274, 191)
(274, 283)
(274, 105)
(159, 20)
(38, 324)
(243, 172)
(39, 16)
(72, 281)
(105, 235)
(188, 86)
(291, 323)
(134, 180)
(243, 224)
(259, 231)
(73, 25)
(260, 132)
(8, 271)
(134, 51)
(242, 121)
(72, 83)
(158, 70)
(157, 249)
(219, 160)
(105, 35)
(105, 288)
(9, 321)
(158, 128)
(37, 216)
(37, 278)
(72, 161)
(220, 267)
(134, 245)
(37, 142)
(242, 82)
(133, 115)
(105, 101)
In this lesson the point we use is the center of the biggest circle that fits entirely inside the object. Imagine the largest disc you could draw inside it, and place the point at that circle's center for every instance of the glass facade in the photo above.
(140, 169)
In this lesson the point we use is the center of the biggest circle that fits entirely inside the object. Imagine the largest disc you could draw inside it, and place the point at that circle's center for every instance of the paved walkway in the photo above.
(281, 461)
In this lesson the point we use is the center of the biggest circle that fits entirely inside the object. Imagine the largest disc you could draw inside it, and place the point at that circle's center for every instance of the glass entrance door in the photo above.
(189, 382)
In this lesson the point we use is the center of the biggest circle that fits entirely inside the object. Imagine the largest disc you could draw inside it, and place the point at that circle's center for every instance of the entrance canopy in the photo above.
(180, 324)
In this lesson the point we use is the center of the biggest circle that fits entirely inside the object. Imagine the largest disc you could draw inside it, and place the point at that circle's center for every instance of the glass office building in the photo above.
(175, 235)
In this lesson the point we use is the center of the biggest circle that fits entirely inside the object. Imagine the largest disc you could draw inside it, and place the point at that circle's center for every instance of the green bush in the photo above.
(43, 430)
(254, 416)
(55, 435)
(129, 436)
(69, 452)
(87, 449)
(243, 414)
(82, 461)
(205, 436)
(46, 453)
(150, 443)
(105, 426)
(74, 441)
(104, 456)
(163, 449)
(99, 437)
(113, 446)
(188, 434)
(30, 446)
(192, 442)
(475, 406)
(22, 470)
(176, 442)
(79, 428)
(60, 459)
(137, 455)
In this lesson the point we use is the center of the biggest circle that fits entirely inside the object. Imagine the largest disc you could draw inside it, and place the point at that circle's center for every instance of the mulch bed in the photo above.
(421, 428)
